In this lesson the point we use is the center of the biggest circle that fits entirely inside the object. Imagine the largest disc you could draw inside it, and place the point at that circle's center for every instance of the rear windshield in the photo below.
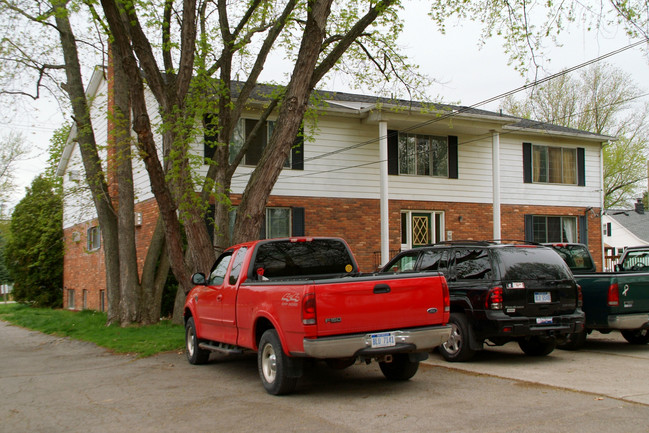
(636, 261)
(576, 256)
(286, 259)
(524, 263)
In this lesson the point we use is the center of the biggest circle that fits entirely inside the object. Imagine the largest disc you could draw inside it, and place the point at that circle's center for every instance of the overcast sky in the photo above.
(465, 73)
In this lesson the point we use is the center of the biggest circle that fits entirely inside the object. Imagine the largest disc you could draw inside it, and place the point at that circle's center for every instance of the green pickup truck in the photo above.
(612, 301)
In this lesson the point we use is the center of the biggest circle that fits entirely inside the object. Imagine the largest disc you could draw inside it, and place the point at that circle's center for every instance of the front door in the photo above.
(422, 233)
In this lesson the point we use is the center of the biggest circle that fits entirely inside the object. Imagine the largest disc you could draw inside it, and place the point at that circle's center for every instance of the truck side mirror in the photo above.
(198, 279)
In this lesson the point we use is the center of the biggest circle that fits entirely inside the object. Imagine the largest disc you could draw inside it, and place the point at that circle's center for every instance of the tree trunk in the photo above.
(89, 154)
(258, 189)
(130, 289)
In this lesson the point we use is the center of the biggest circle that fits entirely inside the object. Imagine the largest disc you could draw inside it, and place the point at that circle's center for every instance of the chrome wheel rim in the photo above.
(191, 342)
(454, 342)
(269, 363)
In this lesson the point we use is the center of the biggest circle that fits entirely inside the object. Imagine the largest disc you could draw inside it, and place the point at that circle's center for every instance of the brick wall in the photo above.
(355, 220)
(86, 270)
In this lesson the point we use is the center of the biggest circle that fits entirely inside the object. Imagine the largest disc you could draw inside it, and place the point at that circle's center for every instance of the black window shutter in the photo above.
(393, 152)
(297, 221)
(527, 162)
(297, 151)
(210, 136)
(581, 166)
(209, 221)
(453, 172)
(583, 230)
(253, 154)
(262, 230)
(529, 228)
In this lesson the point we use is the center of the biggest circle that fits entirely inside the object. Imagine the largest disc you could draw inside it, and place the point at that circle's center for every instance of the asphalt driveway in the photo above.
(50, 384)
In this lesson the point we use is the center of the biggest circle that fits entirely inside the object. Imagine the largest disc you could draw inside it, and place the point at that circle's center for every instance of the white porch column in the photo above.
(495, 167)
(384, 210)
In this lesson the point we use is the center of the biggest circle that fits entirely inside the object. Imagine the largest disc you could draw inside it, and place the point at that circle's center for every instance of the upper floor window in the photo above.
(94, 238)
(423, 155)
(555, 165)
(244, 129)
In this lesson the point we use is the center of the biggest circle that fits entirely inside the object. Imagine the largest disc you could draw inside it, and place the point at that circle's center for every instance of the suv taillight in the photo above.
(613, 295)
(308, 308)
(580, 297)
(494, 298)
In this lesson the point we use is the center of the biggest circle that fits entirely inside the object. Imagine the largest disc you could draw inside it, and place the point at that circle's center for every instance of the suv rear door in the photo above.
(536, 282)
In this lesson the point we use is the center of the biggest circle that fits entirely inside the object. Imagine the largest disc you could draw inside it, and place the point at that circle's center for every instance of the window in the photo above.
(237, 264)
(278, 223)
(555, 165)
(85, 299)
(554, 229)
(421, 228)
(472, 264)
(217, 276)
(102, 300)
(423, 155)
(94, 238)
(71, 299)
(244, 129)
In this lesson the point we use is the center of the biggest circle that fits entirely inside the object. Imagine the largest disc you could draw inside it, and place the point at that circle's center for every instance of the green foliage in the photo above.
(34, 254)
(91, 326)
(4, 272)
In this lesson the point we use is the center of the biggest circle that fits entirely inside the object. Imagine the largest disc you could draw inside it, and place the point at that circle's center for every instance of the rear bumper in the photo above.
(346, 346)
(502, 326)
(628, 321)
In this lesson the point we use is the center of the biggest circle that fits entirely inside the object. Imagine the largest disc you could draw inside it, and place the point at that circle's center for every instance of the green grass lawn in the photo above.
(91, 326)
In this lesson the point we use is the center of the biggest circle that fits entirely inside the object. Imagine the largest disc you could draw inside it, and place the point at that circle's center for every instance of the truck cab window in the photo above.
(217, 275)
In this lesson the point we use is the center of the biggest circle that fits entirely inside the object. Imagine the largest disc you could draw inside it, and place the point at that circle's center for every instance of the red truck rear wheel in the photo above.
(273, 365)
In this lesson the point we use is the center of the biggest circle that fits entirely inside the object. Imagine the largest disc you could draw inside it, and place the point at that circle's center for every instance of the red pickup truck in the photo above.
(298, 298)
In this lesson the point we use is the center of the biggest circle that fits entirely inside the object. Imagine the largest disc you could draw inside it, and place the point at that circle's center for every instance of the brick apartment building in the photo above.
(384, 175)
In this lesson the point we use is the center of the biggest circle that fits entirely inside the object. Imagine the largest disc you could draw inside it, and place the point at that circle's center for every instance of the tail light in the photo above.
(446, 295)
(613, 295)
(580, 297)
(308, 307)
(494, 298)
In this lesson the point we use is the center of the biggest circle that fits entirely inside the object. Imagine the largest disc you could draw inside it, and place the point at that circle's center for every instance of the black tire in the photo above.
(535, 346)
(457, 348)
(401, 367)
(636, 336)
(195, 355)
(575, 341)
(272, 365)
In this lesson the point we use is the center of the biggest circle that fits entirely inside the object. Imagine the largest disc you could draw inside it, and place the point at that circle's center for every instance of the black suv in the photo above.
(500, 293)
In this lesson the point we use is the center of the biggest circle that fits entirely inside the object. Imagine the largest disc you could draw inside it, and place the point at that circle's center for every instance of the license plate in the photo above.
(544, 320)
(385, 339)
(542, 297)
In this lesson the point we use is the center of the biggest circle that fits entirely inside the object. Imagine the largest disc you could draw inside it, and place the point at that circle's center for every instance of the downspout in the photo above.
(495, 167)
(384, 208)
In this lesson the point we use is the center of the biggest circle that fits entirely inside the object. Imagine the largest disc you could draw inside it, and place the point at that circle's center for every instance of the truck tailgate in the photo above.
(364, 304)
(633, 289)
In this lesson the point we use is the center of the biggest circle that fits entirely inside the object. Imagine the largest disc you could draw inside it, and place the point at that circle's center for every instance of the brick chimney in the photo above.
(639, 206)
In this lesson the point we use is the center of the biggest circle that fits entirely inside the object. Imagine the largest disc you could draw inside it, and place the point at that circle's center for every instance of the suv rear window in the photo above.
(525, 263)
